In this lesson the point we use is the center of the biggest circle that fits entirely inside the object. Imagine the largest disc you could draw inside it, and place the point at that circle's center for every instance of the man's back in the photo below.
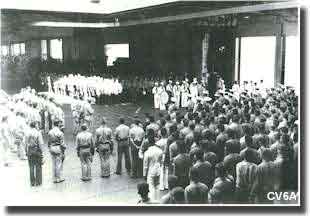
(222, 190)
(34, 138)
(84, 139)
(122, 131)
(196, 193)
(206, 174)
(182, 164)
(153, 126)
(103, 134)
(152, 161)
(136, 133)
(55, 136)
(246, 174)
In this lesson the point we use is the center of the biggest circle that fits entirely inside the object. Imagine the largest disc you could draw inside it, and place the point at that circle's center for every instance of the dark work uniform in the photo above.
(34, 143)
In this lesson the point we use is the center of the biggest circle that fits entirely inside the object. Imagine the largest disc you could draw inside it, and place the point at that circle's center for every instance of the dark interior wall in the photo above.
(84, 44)
(221, 52)
(160, 50)
(33, 48)
(154, 49)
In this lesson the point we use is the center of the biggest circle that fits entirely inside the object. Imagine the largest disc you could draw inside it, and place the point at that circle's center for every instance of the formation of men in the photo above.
(231, 149)
(24, 117)
(88, 87)
(82, 112)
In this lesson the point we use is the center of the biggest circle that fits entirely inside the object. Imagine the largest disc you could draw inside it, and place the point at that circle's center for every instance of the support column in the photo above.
(204, 61)
(279, 75)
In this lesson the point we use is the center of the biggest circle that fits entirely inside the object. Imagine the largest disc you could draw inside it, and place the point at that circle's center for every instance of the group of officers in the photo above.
(185, 94)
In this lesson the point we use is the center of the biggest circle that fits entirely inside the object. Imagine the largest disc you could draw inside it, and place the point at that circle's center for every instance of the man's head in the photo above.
(122, 121)
(163, 132)
(181, 146)
(219, 170)
(137, 121)
(152, 119)
(192, 126)
(57, 123)
(194, 174)
(168, 118)
(84, 127)
(103, 121)
(199, 154)
(178, 195)
(185, 122)
(33, 124)
(267, 154)
(249, 155)
(248, 141)
(143, 189)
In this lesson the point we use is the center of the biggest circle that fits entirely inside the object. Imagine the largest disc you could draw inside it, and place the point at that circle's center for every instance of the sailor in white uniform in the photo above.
(155, 92)
(163, 97)
(184, 94)
(194, 90)
(177, 94)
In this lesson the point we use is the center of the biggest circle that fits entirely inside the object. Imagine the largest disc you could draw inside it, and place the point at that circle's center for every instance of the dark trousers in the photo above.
(35, 166)
(50, 123)
(42, 120)
(136, 162)
(242, 195)
(123, 149)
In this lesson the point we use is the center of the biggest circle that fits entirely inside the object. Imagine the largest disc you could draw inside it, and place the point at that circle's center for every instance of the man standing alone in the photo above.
(122, 139)
(57, 148)
(85, 151)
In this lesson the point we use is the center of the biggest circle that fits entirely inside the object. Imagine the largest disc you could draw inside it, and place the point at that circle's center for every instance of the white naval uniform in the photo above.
(162, 105)
(177, 95)
(155, 92)
(194, 92)
(4, 143)
(184, 95)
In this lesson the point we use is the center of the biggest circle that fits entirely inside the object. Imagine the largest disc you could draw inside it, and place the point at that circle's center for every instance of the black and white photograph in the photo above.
(151, 103)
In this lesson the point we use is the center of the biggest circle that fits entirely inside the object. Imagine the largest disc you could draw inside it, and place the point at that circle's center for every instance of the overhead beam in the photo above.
(202, 14)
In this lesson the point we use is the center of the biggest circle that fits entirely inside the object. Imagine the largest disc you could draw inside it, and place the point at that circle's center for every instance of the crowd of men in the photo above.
(230, 147)
(233, 149)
